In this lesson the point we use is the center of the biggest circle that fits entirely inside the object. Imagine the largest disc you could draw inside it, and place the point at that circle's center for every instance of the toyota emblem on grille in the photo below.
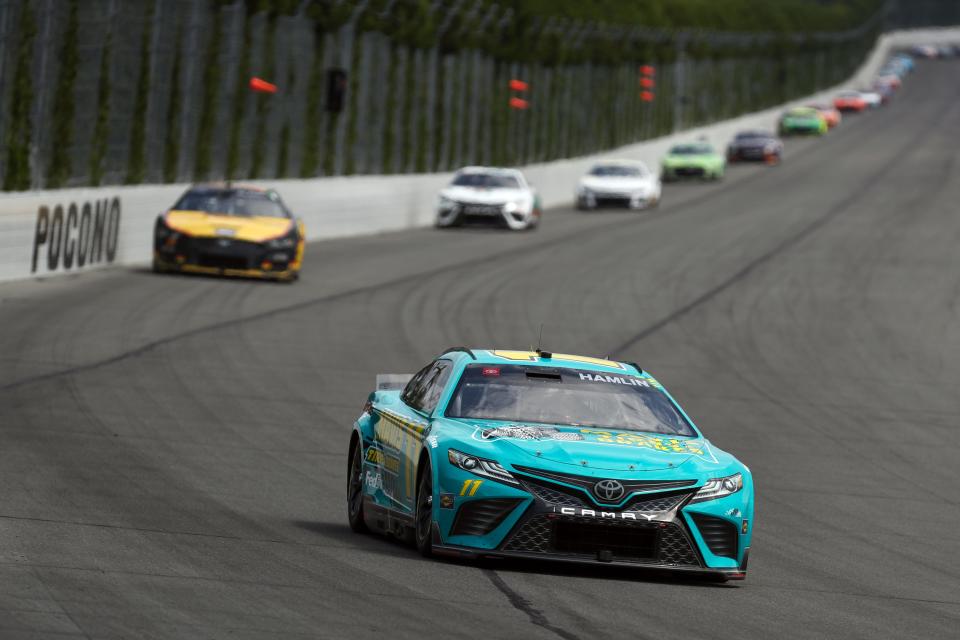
(608, 490)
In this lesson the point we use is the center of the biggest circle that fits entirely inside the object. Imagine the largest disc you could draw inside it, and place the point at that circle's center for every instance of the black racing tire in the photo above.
(423, 519)
(355, 490)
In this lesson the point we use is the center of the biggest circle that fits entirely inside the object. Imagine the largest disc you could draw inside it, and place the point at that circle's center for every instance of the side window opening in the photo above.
(413, 393)
(425, 388)
(436, 383)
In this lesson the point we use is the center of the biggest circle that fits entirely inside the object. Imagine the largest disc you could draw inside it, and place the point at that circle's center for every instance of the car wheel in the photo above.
(355, 490)
(423, 523)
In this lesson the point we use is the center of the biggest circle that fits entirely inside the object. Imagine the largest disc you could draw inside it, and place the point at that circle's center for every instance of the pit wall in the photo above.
(47, 233)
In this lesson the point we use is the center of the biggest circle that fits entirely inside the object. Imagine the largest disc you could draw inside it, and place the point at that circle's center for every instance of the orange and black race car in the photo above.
(229, 230)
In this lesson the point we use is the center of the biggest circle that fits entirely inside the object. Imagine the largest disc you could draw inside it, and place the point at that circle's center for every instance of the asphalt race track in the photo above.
(173, 449)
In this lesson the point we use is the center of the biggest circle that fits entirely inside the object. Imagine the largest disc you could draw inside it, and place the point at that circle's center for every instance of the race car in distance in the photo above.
(830, 113)
(489, 196)
(871, 97)
(802, 120)
(625, 183)
(850, 101)
(885, 91)
(222, 229)
(536, 455)
(692, 160)
(755, 145)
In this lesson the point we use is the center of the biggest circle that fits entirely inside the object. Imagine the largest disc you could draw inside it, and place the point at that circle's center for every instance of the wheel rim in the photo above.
(355, 484)
(424, 508)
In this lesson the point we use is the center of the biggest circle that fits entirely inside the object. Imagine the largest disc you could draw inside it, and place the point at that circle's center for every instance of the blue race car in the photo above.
(537, 455)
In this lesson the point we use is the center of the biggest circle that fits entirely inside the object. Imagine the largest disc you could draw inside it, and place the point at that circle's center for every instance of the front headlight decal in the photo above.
(481, 466)
(719, 488)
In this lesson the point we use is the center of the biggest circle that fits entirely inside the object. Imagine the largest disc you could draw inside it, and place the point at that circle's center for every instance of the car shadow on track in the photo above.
(204, 276)
(386, 545)
(597, 571)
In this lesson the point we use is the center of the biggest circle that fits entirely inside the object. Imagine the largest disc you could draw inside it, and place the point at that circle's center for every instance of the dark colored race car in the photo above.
(761, 146)
(232, 231)
(529, 454)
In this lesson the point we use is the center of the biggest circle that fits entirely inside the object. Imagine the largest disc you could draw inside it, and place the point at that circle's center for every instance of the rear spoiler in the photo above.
(392, 381)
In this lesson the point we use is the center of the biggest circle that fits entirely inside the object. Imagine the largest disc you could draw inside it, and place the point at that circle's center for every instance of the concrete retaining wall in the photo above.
(53, 232)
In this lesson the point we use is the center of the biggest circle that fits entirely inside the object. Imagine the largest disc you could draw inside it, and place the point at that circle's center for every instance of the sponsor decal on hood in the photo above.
(597, 448)
(209, 225)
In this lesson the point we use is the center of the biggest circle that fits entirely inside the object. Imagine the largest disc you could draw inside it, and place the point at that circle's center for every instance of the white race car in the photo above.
(626, 183)
(872, 98)
(488, 196)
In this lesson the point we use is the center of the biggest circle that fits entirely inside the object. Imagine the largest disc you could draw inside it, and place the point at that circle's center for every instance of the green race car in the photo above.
(693, 160)
(803, 120)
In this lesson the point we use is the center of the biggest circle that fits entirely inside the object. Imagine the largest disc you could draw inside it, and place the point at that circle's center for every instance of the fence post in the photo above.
(680, 80)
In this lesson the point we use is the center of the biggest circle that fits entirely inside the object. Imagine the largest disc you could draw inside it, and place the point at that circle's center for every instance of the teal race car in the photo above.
(694, 160)
(528, 454)
(803, 120)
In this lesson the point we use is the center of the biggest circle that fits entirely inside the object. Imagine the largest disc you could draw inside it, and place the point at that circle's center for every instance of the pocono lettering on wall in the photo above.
(76, 235)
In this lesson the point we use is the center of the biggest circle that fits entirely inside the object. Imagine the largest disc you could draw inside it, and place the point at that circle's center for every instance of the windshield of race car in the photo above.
(571, 397)
(751, 135)
(486, 181)
(691, 150)
(231, 202)
(616, 171)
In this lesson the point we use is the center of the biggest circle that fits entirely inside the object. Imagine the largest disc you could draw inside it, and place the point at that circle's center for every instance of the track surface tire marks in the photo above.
(172, 449)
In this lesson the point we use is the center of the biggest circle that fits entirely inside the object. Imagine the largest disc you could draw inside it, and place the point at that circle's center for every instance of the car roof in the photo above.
(500, 170)
(227, 186)
(612, 162)
(541, 359)
(693, 143)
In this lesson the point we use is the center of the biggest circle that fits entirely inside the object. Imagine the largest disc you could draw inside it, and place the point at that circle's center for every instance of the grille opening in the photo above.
(626, 542)
(223, 262)
(719, 534)
(612, 201)
(555, 494)
(480, 517)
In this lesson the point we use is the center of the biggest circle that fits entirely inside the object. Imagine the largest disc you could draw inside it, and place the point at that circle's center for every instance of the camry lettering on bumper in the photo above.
(609, 515)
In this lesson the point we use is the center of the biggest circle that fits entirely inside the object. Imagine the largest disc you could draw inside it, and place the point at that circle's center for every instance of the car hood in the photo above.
(617, 183)
(590, 449)
(249, 229)
(484, 196)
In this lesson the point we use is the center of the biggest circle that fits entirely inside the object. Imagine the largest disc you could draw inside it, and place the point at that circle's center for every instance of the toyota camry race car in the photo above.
(537, 455)
(802, 120)
(755, 145)
(851, 101)
(489, 196)
(696, 160)
(229, 230)
(627, 183)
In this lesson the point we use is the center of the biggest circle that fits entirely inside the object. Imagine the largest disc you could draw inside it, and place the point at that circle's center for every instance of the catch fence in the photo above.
(99, 92)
